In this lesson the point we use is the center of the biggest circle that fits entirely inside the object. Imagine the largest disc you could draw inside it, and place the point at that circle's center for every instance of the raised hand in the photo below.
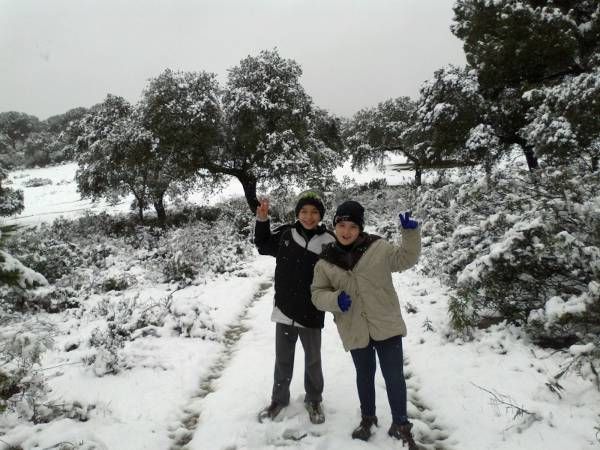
(407, 222)
(344, 301)
(262, 211)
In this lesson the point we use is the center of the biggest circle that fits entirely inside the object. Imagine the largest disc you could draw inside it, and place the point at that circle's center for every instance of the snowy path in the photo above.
(222, 413)
(182, 432)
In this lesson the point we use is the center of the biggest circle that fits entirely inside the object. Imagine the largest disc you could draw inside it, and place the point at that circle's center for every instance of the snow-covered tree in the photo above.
(60, 122)
(39, 148)
(148, 150)
(15, 127)
(181, 112)
(564, 123)
(64, 141)
(519, 45)
(7, 156)
(113, 154)
(450, 127)
(262, 128)
(446, 127)
(373, 132)
(11, 200)
(272, 132)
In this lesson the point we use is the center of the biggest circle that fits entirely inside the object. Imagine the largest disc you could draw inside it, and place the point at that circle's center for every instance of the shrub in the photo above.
(48, 255)
(117, 283)
(22, 386)
(525, 248)
(201, 249)
(37, 182)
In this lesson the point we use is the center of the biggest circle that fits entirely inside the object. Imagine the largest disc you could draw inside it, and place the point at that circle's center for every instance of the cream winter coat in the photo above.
(375, 310)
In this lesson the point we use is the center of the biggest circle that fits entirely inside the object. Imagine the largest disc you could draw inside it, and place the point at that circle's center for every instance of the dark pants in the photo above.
(389, 352)
(285, 347)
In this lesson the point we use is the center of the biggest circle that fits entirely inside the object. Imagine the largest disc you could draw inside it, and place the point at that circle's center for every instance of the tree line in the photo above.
(531, 85)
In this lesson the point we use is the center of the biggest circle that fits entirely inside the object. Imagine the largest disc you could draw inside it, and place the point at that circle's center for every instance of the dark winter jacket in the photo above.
(296, 254)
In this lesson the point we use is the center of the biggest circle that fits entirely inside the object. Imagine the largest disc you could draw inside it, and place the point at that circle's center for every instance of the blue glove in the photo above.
(344, 301)
(407, 222)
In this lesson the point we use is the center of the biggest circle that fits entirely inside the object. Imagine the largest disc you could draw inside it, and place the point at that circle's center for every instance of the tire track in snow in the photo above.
(182, 432)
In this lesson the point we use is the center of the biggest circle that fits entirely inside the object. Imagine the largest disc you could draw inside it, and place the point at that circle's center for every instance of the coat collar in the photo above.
(347, 259)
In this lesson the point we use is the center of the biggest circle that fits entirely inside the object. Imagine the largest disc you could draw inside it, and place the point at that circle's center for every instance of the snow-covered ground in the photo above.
(209, 388)
(202, 391)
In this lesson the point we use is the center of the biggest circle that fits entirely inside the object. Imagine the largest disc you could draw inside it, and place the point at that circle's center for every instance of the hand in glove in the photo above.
(407, 222)
(344, 301)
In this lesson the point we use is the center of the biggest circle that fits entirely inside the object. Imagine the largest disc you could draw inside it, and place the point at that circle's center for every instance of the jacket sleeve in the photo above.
(267, 242)
(324, 297)
(405, 255)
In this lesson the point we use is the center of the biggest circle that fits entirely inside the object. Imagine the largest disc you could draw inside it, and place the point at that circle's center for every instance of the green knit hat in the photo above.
(310, 197)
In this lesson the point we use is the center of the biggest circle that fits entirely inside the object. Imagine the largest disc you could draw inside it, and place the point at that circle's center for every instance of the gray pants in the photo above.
(285, 347)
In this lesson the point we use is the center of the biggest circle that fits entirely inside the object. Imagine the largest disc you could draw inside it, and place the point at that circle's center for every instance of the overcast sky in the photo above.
(59, 54)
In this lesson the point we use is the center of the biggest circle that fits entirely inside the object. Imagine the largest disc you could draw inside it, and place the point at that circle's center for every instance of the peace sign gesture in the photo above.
(262, 211)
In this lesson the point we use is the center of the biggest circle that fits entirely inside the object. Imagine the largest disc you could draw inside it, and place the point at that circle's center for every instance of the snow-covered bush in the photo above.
(189, 318)
(118, 282)
(16, 279)
(37, 182)
(107, 343)
(94, 253)
(12, 271)
(200, 248)
(126, 320)
(11, 200)
(74, 410)
(52, 300)
(46, 254)
(235, 213)
(434, 205)
(108, 340)
(522, 247)
(584, 361)
(22, 386)
(56, 258)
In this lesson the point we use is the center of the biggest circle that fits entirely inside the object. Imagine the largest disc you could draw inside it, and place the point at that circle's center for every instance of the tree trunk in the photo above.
(532, 161)
(160, 208)
(249, 185)
(140, 207)
(418, 174)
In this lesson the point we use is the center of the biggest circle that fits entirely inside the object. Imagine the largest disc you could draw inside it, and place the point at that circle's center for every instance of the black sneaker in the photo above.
(315, 412)
(270, 412)
(402, 432)
(363, 431)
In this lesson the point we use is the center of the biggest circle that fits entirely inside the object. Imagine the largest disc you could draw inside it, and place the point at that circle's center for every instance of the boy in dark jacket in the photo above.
(296, 248)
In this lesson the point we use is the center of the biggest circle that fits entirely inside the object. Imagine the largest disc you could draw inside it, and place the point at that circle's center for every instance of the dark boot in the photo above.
(315, 412)
(363, 431)
(270, 412)
(403, 433)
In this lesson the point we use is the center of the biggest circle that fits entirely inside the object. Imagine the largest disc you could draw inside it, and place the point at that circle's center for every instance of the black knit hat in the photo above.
(350, 211)
(310, 198)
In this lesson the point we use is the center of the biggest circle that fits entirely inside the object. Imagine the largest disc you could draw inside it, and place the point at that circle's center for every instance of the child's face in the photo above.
(309, 216)
(346, 232)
